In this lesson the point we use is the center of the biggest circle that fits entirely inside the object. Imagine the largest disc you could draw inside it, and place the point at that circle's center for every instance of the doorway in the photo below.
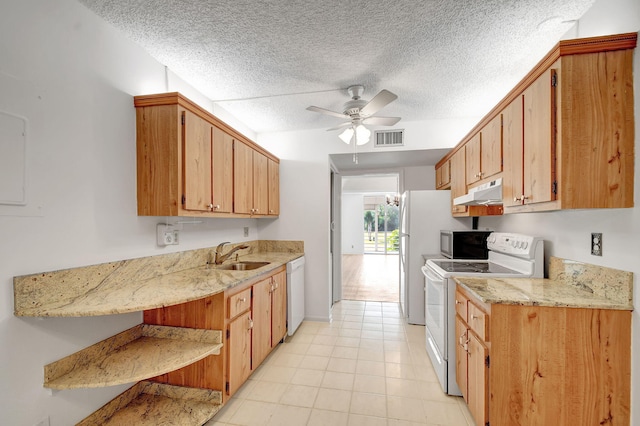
(369, 235)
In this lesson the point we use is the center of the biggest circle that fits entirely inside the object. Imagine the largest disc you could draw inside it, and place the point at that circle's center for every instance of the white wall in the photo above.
(73, 77)
(352, 223)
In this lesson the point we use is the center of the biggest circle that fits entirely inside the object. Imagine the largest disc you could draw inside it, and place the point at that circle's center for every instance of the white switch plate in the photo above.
(166, 234)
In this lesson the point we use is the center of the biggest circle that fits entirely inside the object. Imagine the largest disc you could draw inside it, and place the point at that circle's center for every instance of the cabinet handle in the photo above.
(241, 300)
(520, 198)
(210, 206)
(250, 324)
(458, 302)
(216, 207)
(474, 317)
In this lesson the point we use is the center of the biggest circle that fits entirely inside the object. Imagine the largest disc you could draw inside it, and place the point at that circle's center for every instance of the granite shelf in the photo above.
(138, 353)
(148, 403)
(130, 285)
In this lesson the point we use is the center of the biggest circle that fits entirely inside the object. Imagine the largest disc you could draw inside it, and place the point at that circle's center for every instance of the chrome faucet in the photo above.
(219, 257)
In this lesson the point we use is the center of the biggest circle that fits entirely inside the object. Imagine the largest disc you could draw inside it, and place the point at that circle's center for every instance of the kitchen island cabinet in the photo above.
(527, 357)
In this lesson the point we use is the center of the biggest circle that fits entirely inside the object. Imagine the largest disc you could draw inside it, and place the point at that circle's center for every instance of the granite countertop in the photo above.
(571, 284)
(139, 284)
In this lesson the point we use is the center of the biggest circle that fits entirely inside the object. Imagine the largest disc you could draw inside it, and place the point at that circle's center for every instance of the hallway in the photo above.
(370, 277)
(365, 368)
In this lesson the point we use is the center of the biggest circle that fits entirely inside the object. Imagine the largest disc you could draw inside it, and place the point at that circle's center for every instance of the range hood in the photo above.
(488, 193)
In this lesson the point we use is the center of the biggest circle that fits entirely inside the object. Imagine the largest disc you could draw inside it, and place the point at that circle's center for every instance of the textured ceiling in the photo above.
(265, 61)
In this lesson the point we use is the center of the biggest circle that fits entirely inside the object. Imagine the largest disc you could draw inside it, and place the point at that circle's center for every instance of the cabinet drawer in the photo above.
(478, 321)
(461, 305)
(238, 303)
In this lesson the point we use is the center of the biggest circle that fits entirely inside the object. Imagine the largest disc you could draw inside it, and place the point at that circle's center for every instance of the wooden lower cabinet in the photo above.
(239, 350)
(261, 342)
(248, 315)
(543, 365)
(278, 308)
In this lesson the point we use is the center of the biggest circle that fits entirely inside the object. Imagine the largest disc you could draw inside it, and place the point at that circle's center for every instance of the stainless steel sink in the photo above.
(243, 266)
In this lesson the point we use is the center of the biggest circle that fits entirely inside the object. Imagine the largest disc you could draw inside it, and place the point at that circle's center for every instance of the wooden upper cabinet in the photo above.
(242, 178)
(491, 148)
(458, 183)
(222, 196)
(196, 146)
(274, 187)
(512, 175)
(472, 159)
(252, 181)
(187, 166)
(443, 175)
(566, 132)
(596, 130)
(260, 184)
(539, 139)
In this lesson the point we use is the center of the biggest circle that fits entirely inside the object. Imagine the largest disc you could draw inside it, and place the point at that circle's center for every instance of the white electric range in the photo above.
(510, 255)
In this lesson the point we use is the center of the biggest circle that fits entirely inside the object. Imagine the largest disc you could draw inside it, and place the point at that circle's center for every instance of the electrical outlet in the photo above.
(246, 231)
(166, 235)
(596, 243)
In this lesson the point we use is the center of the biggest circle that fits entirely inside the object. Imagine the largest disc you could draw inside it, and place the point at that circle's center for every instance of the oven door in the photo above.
(436, 309)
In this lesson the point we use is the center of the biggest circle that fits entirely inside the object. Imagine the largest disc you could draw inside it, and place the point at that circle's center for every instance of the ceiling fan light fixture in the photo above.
(362, 135)
(346, 135)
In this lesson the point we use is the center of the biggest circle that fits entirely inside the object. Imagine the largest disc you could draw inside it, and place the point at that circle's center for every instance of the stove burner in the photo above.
(480, 268)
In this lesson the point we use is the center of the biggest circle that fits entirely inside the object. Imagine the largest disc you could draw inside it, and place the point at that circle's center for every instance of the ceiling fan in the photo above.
(359, 112)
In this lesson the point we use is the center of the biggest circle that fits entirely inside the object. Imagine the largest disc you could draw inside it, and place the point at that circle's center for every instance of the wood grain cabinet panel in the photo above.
(189, 163)
(567, 132)
(222, 175)
(443, 176)
(196, 143)
(274, 188)
(278, 308)
(545, 365)
(239, 350)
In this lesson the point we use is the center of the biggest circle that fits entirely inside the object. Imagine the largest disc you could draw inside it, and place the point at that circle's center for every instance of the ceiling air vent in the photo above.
(388, 138)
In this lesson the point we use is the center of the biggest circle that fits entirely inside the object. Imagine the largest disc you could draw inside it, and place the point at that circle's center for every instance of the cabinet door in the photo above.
(279, 308)
(242, 178)
(472, 158)
(461, 356)
(478, 380)
(239, 352)
(274, 187)
(260, 183)
(196, 154)
(491, 148)
(443, 175)
(261, 338)
(539, 139)
(458, 185)
(222, 196)
(512, 183)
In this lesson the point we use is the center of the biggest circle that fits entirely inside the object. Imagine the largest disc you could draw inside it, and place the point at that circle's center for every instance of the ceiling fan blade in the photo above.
(327, 112)
(348, 123)
(381, 121)
(378, 102)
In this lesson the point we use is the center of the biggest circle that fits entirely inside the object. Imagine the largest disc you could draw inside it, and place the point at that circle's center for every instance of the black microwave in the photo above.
(464, 244)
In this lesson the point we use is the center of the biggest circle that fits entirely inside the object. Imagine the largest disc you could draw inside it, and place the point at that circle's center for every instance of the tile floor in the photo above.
(367, 367)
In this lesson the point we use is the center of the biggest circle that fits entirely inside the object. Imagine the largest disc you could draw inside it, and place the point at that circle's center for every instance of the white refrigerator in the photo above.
(422, 215)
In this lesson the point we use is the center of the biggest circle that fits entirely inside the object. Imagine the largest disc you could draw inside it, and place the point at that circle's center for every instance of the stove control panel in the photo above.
(515, 244)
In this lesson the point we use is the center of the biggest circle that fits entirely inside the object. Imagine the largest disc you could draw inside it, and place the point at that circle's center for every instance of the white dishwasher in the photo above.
(295, 294)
